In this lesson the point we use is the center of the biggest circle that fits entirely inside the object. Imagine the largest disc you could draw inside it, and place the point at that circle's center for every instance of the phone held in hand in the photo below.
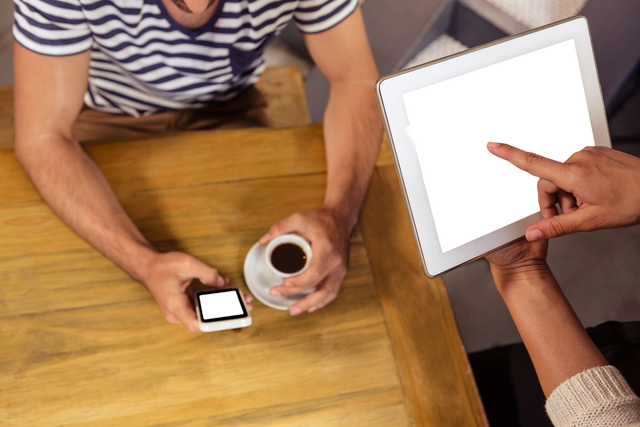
(221, 309)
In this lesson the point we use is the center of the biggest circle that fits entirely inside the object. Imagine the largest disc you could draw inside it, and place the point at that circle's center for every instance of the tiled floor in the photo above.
(443, 46)
(278, 53)
(6, 67)
(531, 13)
(535, 13)
(6, 64)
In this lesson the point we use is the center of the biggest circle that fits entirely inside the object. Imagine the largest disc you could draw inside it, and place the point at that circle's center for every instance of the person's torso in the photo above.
(142, 60)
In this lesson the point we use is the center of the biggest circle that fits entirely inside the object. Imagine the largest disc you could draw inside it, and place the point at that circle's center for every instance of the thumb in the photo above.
(556, 226)
(186, 314)
(287, 225)
(204, 272)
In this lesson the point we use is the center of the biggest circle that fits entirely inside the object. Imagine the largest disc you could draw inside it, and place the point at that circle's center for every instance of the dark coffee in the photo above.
(288, 258)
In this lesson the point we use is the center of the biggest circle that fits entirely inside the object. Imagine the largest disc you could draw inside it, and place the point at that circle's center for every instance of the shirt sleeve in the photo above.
(596, 397)
(316, 16)
(51, 27)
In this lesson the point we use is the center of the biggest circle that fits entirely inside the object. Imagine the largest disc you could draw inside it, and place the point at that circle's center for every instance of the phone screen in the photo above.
(220, 305)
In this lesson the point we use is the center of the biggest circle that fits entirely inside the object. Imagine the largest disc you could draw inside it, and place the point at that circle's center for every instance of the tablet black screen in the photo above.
(534, 102)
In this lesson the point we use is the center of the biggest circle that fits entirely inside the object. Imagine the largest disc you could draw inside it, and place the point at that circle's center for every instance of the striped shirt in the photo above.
(143, 61)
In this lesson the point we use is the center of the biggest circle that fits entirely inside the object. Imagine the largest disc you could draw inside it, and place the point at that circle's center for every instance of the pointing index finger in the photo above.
(529, 162)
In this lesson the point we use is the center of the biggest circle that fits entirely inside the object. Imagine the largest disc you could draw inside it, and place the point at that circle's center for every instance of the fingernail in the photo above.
(289, 284)
(274, 293)
(295, 311)
(534, 235)
(493, 144)
(312, 309)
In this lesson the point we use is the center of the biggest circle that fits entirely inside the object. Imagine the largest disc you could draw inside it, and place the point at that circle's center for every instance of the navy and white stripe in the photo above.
(143, 61)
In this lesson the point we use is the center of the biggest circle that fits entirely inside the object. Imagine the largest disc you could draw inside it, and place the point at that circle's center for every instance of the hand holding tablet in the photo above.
(538, 91)
(596, 188)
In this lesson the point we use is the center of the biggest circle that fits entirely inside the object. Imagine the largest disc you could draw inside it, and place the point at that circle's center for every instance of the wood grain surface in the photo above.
(88, 346)
(284, 89)
(85, 345)
(435, 370)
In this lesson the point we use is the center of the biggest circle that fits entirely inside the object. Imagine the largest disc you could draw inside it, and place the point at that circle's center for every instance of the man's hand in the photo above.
(329, 237)
(352, 136)
(48, 96)
(596, 188)
(167, 279)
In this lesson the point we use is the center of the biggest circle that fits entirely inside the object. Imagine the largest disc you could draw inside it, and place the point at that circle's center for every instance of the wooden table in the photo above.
(85, 345)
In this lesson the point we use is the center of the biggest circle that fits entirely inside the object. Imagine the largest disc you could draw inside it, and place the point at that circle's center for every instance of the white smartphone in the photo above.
(221, 309)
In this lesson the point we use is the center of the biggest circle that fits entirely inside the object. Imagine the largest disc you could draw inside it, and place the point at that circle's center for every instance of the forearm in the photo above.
(77, 191)
(353, 132)
(554, 337)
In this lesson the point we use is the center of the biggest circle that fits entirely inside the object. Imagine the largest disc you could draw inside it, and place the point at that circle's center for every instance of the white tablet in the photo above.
(538, 91)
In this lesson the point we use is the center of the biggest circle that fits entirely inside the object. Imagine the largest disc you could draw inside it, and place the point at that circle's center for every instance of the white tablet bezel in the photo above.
(390, 90)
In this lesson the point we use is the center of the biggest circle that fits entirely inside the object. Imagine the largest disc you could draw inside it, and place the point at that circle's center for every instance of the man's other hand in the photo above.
(329, 237)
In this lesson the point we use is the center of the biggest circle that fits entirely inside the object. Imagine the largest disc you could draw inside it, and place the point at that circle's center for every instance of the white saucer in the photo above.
(260, 279)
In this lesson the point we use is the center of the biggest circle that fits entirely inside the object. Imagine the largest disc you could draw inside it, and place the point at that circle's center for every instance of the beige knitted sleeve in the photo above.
(597, 397)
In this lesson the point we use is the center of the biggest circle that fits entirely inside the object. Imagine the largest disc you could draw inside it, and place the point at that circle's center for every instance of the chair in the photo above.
(282, 86)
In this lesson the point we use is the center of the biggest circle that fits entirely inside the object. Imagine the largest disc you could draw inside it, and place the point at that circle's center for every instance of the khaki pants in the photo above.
(248, 109)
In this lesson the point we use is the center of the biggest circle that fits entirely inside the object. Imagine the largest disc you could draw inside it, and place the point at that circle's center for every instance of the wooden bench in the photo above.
(282, 86)
(6, 117)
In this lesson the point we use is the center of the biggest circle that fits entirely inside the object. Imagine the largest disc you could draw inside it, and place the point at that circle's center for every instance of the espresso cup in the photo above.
(288, 255)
